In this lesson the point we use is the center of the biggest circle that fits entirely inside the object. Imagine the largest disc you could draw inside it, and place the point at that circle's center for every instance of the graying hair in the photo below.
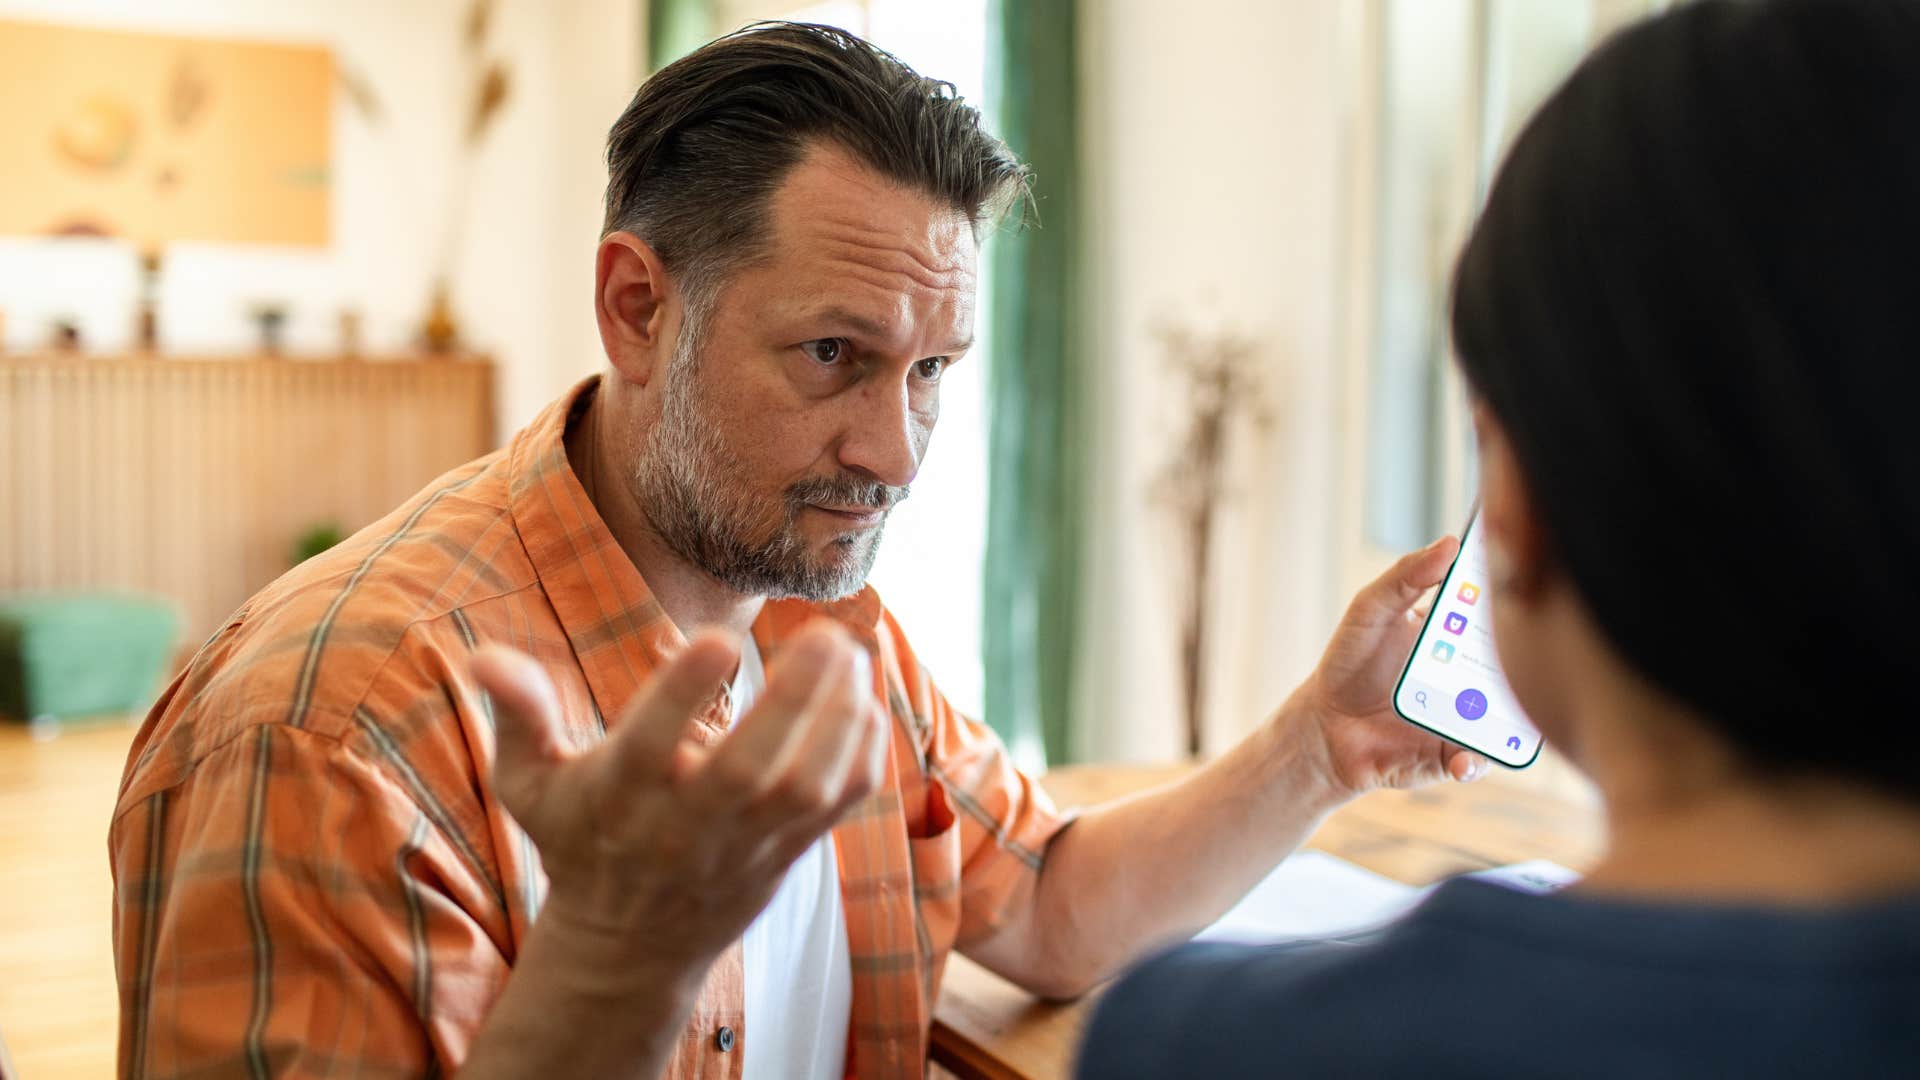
(694, 161)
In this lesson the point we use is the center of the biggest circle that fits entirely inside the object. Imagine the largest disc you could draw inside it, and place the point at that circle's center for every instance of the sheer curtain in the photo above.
(1039, 452)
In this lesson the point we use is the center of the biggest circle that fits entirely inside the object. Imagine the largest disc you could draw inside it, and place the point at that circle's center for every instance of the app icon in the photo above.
(1471, 704)
(1456, 623)
(1469, 593)
(1443, 652)
(1513, 742)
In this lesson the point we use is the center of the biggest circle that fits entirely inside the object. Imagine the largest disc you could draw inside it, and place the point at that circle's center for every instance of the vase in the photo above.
(441, 332)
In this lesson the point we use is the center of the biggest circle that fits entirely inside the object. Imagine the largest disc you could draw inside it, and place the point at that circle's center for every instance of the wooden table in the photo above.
(985, 1028)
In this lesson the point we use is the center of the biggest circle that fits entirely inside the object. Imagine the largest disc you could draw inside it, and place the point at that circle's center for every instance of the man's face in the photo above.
(795, 414)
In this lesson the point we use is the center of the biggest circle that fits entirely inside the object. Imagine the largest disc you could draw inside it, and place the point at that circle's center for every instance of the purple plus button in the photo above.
(1471, 704)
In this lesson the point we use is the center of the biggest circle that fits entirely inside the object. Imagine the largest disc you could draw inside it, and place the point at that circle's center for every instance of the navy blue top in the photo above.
(1481, 981)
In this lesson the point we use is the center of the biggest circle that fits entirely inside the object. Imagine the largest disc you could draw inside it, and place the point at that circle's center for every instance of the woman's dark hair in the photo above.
(694, 161)
(1693, 304)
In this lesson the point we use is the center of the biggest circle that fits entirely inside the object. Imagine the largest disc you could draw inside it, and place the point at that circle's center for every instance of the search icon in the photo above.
(1420, 696)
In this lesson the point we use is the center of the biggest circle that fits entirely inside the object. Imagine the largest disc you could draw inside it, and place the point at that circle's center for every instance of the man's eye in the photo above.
(931, 368)
(827, 351)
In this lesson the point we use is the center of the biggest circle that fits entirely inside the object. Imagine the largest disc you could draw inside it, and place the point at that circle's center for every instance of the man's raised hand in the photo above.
(658, 849)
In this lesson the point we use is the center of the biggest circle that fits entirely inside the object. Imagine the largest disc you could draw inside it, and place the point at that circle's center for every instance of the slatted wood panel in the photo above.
(192, 479)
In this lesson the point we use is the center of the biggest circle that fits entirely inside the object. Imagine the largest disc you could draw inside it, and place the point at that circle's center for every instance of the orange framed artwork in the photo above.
(158, 139)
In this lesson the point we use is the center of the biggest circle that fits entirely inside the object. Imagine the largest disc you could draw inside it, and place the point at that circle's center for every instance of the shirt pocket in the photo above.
(936, 872)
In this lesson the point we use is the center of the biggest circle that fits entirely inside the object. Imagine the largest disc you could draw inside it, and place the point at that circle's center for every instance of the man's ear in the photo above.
(633, 301)
(1516, 543)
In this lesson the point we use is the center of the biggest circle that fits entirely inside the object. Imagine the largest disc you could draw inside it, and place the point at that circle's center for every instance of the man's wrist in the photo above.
(573, 1006)
(1298, 757)
(602, 958)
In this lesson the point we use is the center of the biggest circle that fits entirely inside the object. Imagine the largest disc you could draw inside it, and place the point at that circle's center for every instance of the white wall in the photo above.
(523, 279)
(598, 58)
(1212, 159)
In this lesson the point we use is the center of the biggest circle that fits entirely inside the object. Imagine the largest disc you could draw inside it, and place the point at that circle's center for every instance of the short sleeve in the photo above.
(1003, 820)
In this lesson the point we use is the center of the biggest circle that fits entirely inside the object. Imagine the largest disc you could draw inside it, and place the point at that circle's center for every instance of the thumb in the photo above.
(1393, 593)
(527, 725)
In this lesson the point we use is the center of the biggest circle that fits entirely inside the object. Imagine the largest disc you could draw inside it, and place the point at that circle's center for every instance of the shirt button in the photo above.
(724, 1039)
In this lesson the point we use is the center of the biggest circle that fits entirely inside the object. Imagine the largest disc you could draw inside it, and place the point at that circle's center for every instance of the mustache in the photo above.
(845, 490)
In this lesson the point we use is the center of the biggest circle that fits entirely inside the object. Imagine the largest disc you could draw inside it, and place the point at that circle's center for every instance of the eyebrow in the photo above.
(860, 324)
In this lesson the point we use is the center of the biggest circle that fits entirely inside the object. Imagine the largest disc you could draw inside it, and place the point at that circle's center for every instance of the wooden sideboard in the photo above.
(192, 479)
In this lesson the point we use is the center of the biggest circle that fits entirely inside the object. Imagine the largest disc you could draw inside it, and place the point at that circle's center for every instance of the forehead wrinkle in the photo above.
(877, 265)
(887, 285)
(929, 263)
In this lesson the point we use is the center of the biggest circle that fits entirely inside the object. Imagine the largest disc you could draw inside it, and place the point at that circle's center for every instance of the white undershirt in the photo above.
(799, 992)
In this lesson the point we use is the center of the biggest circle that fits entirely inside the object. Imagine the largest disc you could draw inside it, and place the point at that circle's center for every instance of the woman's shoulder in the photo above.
(1322, 1007)
(1483, 979)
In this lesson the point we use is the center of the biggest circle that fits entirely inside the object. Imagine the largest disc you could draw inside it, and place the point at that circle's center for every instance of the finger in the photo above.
(1467, 766)
(1423, 607)
(874, 754)
(1390, 595)
(868, 775)
(835, 726)
(641, 746)
(528, 737)
(756, 751)
(867, 769)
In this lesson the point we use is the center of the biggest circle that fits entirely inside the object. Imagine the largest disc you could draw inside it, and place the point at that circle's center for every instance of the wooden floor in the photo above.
(58, 1006)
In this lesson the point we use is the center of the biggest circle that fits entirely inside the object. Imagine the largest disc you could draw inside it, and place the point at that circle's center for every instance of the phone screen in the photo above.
(1453, 685)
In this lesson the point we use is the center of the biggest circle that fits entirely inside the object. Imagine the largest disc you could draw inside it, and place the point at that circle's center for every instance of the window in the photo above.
(1454, 80)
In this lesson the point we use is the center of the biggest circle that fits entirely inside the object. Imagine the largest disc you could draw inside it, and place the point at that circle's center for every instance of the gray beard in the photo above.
(701, 507)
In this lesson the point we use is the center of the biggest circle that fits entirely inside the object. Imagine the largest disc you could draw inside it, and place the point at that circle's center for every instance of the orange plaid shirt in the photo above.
(314, 877)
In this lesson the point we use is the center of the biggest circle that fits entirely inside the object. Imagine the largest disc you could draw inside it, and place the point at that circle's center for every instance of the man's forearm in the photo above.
(1135, 875)
(1132, 875)
(570, 1009)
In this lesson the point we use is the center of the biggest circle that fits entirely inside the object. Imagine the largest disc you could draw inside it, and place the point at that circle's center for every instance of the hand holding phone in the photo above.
(1452, 684)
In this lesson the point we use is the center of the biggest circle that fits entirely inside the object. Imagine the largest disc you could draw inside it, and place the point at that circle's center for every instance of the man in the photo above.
(319, 850)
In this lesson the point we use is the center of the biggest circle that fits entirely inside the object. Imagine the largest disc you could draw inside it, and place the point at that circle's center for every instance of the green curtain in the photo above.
(1037, 439)
(676, 28)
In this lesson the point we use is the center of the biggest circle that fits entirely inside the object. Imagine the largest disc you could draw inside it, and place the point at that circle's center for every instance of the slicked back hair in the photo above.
(694, 161)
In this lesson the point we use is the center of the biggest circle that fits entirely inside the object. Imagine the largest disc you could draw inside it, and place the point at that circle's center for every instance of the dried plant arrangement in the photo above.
(488, 83)
(1223, 387)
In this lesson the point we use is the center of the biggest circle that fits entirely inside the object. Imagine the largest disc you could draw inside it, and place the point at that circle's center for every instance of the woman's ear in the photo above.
(1516, 543)
(632, 294)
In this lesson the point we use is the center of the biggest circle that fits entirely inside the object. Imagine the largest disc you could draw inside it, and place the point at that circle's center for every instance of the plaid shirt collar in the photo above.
(599, 594)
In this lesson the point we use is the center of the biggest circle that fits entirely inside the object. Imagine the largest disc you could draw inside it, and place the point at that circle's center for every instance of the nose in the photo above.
(885, 437)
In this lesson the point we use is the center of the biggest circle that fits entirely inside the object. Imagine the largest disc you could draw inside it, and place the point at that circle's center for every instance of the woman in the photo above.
(1689, 317)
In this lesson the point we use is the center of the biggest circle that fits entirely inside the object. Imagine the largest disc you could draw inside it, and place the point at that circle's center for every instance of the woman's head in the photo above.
(1690, 316)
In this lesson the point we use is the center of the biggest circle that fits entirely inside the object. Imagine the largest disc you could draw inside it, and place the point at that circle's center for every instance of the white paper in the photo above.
(1316, 895)
(1539, 876)
(1313, 894)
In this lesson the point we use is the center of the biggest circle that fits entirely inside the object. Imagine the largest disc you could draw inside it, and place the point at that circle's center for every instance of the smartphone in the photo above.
(1452, 685)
